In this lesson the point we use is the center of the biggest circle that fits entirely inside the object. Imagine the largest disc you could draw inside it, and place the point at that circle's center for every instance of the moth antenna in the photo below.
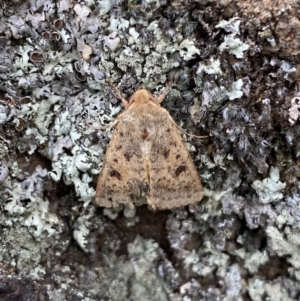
(104, 127)
(117, 92)
(161, 97)
(188, 134)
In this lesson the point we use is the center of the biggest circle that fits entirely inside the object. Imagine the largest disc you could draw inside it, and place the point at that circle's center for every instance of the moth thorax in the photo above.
(141, 95)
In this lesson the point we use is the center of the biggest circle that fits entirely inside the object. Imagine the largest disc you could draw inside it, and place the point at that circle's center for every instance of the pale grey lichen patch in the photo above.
(143, 253)
(112, 41)
(270, 189)
(35, 215)
(232, 44)
(255, 260)
(4, 172)
(233, 282)
(294, 112)
(236, 90)
(71, 167)
(276, 291)
(232, 25)
(111, 213)
(81, 228)
(26, 254)
(211, 66)
(43, 116)
(187, 50)
(283, 246)
(105, 6)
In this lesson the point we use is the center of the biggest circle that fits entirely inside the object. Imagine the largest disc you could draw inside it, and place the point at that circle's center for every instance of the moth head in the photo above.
(141, 96)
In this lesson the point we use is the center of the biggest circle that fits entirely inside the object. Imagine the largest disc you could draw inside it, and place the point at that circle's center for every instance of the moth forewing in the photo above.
(147, 150)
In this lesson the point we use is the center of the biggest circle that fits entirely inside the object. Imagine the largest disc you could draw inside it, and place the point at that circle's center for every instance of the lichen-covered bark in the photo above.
(236, 81)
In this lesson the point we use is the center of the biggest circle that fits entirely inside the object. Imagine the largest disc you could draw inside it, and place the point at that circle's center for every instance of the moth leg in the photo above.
(124, 101)
(151, 202)
(161, 97)
(186, 133)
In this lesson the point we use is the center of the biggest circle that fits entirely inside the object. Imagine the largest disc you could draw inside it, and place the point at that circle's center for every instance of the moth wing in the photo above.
(123, 173)
(174, 179)
(147, 154)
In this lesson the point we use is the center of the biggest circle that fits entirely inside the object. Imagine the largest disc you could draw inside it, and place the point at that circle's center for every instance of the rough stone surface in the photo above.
(236, 81)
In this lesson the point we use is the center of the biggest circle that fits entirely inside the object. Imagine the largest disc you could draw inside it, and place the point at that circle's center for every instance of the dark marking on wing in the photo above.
(128, 156)
(166, 153)
(115, 174)
(179, 170)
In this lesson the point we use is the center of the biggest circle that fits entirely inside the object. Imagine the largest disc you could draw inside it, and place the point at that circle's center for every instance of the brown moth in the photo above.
(147, 157)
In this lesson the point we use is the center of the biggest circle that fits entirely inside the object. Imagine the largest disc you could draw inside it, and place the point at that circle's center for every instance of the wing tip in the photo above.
(173, 202)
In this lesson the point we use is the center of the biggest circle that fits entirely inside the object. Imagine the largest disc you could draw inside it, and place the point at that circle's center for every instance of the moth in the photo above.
(147, 157)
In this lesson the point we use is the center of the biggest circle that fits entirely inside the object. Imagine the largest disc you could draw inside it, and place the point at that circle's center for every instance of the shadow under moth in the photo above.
(147, 157)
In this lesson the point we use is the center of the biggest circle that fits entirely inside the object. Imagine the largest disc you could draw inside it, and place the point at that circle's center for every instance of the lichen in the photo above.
(235, 82)
(269, 189)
